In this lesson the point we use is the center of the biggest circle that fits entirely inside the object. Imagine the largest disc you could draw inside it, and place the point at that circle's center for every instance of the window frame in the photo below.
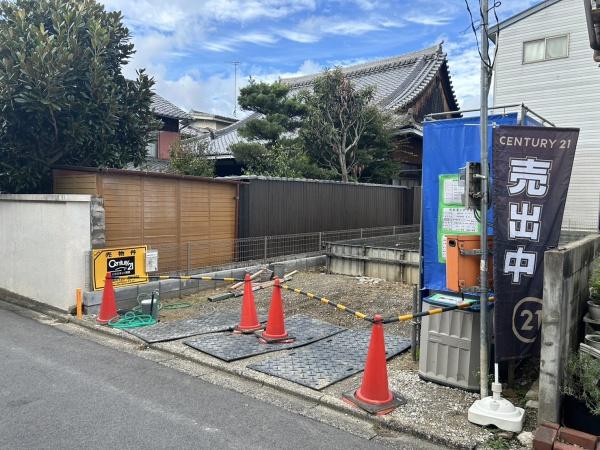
(153, 141)
(545, 39)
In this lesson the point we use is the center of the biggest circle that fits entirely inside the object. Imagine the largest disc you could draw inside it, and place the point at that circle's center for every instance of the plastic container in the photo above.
(449, 352)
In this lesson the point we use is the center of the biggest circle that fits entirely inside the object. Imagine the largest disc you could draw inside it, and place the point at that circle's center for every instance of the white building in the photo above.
(544, 60)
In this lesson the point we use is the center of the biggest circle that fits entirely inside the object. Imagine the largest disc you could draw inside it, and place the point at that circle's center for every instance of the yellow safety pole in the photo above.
(79, 303)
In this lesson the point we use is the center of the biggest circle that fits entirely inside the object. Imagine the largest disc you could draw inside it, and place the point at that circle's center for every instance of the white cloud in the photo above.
(308, 67)
(231, 44)
(429, 20)
(171, 14)
(314, 28)
(167, 32)
(257, 38)
(296, 36)
(245, 10)
(219, 46)
(215, 94)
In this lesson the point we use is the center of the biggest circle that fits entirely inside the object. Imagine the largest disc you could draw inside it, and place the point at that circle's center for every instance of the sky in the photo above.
(189, 46)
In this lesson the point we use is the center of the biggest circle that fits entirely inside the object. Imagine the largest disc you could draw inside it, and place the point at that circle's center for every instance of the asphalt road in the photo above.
(62, 391)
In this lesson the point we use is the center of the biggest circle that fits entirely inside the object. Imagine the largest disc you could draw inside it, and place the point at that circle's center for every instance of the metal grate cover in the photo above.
(168, 331)
(328, 361)
(231, 347)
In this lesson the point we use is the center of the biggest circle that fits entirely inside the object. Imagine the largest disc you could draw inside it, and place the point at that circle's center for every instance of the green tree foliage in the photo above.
(281, 114)
(273, 146)
(187, 159)
(63, 97)
(344, 132)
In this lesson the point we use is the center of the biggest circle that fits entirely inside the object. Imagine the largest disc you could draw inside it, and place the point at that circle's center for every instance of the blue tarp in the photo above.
(447, 146)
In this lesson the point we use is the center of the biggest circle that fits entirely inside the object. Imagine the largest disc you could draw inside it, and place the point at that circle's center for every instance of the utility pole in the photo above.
(235, 67)
(489, 410)
(483, 266)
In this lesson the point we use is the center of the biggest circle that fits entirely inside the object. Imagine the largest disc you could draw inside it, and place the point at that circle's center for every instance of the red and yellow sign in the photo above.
(123, 261)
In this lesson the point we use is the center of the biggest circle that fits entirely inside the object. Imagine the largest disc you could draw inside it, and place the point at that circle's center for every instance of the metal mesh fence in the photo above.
(400, 241)
(207, 254)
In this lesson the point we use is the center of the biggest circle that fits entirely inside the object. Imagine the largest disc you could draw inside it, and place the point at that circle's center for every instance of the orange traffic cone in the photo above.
(108, 307)
(249, 320)
(275, 331)
(374, 394)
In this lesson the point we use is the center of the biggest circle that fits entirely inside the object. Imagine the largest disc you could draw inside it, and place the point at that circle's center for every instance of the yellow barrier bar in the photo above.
(326, 301)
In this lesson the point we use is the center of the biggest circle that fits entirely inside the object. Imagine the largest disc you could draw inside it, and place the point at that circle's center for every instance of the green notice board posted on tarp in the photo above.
(453, 217)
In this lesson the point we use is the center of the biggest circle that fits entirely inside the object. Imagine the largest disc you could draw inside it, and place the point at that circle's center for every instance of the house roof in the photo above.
(223, 138)
(164, 108)
(520, 16)
(398, 82)
(204, 115)
(152, 165)
(249, 178)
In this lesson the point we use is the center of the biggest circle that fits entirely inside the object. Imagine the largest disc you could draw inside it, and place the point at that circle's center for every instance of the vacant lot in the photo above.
(370, 296)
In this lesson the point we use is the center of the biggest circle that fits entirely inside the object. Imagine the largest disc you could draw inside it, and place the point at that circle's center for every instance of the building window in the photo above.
(152, 147)
(545, 49)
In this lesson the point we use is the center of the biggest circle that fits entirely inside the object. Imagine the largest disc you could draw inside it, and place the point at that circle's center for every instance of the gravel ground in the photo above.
(435, 412)
(370, 296)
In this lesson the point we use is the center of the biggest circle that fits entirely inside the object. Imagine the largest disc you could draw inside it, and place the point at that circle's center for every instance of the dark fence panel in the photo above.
(275, 206)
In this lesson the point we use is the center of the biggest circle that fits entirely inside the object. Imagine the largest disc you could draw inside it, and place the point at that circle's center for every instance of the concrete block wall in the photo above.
(126, 297)
(98, 224)
(566, 291)
(44, 246)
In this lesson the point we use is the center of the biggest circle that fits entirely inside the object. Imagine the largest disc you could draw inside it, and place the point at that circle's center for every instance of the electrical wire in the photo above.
(487, 61)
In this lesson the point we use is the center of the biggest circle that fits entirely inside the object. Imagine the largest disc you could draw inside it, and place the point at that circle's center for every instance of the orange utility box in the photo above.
(462, 267)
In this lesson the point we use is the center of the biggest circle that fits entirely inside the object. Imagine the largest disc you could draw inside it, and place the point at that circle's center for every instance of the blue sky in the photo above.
(188, 46)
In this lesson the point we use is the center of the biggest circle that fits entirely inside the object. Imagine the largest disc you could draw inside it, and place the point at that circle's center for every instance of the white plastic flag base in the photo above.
(498, 411)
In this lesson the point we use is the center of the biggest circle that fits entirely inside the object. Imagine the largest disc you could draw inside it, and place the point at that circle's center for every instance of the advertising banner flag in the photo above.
(531, 174)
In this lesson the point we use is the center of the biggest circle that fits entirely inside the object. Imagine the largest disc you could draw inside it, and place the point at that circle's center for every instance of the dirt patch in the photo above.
(433, 411)
(366, 295)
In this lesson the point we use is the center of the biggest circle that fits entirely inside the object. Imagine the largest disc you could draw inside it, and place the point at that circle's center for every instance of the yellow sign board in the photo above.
(124, 261)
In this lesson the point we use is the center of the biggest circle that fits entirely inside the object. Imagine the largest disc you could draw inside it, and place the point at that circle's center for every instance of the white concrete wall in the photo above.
(44, 246)
(565, 91)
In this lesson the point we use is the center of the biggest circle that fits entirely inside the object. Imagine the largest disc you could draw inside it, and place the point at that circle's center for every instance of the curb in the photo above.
(323, 399)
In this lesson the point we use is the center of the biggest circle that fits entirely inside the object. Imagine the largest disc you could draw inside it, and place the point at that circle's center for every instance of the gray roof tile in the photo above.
(163, 107)
(152, 165)
(398, 82)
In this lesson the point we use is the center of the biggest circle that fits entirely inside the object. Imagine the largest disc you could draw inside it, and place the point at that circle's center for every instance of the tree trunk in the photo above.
(343, 167)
